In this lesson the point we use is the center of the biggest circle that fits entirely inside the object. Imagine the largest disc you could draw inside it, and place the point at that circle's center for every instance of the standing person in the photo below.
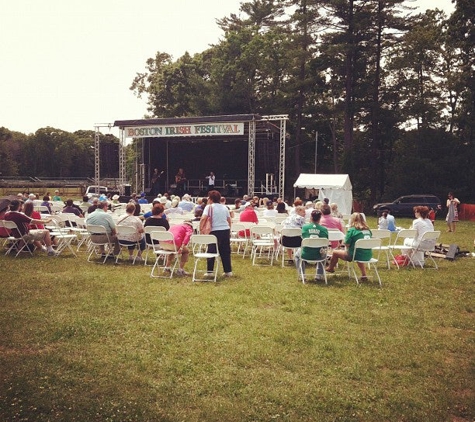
(358, 230)
(312, 229)
(452, 212)
(155, 182)
(180, 180)
(211, 179)
(221, 228)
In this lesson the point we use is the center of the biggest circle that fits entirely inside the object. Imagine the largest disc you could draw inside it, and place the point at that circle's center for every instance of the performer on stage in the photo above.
(180, 180)
(155, 182)
(211, 178)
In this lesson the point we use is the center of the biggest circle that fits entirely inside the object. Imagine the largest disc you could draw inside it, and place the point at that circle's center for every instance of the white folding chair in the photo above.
(399, 244)
(16, 243)
(320, 246)
(165, 247)
(123, 232)
(287, 238)
(365, 244)
(382, 234)
(263, 245)
(149, 245)
(427, 246)
(205, 246)
(94, 243)
(239, 238)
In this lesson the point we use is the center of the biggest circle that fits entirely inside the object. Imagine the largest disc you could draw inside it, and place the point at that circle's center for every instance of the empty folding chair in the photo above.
(263, 245)
(205, 246)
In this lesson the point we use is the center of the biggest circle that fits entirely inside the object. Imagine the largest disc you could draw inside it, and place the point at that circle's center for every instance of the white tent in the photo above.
(336, 187)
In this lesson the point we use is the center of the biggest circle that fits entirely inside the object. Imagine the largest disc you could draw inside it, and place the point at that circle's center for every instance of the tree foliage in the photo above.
(389, 93)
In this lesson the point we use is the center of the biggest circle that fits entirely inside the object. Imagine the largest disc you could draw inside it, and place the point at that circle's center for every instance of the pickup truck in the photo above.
(95, 190)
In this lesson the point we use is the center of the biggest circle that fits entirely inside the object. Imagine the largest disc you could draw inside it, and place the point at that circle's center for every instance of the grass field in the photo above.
(86, 342)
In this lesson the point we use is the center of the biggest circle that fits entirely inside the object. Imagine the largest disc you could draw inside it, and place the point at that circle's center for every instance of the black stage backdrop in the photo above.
(228, 159)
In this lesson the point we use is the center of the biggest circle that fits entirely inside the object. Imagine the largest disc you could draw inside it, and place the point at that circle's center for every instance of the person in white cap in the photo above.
(56, 196)
(185, 204)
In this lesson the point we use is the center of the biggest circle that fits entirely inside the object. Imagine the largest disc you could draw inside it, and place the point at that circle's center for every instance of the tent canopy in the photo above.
(336, 187)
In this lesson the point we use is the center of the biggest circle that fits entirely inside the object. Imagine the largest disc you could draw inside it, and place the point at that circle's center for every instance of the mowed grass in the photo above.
(87, 342)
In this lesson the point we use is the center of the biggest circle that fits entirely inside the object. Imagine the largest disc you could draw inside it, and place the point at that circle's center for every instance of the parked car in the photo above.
(95, 190)
(404, 205)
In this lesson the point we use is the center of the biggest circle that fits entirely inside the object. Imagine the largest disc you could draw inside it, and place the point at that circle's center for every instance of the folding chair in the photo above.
(108, 245)
(289, 237)
(16, 243)
(123, 231)
(263, 244)
(239, 238)
(427, 246)
(320, 245)
(205, 246)
(382, 234)
(399, 243)
(149, 245)
(164, 248)
(365, 244)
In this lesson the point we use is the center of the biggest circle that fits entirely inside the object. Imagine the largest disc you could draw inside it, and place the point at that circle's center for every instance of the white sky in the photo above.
(69, 63)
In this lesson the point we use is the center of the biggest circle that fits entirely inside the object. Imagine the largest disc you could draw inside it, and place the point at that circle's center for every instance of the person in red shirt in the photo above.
(248, 216)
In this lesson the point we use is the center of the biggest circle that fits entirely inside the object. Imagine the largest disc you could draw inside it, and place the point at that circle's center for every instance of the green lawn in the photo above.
(86, 342)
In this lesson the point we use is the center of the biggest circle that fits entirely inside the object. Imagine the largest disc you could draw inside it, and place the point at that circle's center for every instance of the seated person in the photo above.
(46, 204)
(131, 220)
(387, 222)
(72, 209)
(312, 229)
(270, 211)
(100, 217)
(330, 222)
(182, 234)
(156, 219)
(358, 230)
(248, 216)
(23, 223)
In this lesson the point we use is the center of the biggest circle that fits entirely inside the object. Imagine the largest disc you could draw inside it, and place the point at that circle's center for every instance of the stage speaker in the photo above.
(147, 191)
(452, 252)
(127, 190)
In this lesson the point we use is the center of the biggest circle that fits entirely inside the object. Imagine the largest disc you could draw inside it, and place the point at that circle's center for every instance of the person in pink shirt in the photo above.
(182, 234)
(330, 222)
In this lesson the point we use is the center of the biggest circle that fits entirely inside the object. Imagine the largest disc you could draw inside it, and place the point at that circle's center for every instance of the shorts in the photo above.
(35, 235)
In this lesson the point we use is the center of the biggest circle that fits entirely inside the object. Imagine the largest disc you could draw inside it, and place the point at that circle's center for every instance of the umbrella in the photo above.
(5, 201)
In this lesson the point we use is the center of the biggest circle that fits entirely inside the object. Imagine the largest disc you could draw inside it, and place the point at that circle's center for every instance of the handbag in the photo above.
(205, 224)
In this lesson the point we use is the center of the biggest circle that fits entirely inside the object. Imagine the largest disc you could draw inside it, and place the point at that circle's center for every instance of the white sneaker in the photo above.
(230, 274)
(209, 274)
(138, 259)
(181, 272)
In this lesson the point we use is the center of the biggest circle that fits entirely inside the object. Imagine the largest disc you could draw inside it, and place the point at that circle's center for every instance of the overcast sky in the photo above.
(69, 63)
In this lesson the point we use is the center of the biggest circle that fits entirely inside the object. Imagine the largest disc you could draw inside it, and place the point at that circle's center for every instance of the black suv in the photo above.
(403, 206)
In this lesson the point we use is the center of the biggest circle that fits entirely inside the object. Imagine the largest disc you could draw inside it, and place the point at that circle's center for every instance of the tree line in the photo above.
(389, 92)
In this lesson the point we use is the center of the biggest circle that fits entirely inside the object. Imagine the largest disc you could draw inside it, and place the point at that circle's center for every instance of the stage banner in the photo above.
(177, 131)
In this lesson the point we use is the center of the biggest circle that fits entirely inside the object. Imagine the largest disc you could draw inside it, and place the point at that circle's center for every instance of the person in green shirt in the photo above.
(358, 230)
(312, 229)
